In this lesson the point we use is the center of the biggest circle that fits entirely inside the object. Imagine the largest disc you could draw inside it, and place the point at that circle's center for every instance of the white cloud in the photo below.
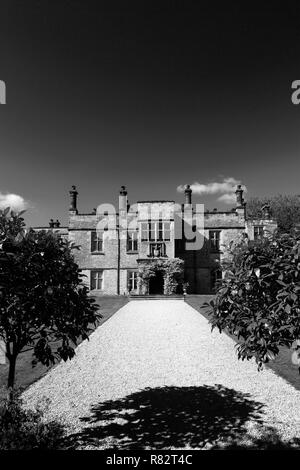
(14, 201)
(227, 198)
(225, 188)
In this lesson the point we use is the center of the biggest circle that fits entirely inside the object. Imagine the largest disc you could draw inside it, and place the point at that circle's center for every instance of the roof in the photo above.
(143, 202)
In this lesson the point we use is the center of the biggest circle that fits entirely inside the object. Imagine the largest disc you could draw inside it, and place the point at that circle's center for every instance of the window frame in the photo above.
(132, 244)
(97, 241)
(215, 276)
(96, 271)
(214, 247)
(131, 272)
(258, 236)
(144, 229)
(155, 231)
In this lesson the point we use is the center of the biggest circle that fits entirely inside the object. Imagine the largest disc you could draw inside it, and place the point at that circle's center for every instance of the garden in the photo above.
(46, 311)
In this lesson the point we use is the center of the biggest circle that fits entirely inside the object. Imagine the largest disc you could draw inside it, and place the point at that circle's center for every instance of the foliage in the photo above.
(284, 208)
(259, 298)
(42, 297)
(173, 275)
(11, 225)
(22, 429)
(172, 271)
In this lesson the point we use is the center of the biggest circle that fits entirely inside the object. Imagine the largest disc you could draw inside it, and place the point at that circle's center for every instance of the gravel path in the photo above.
(162, 343)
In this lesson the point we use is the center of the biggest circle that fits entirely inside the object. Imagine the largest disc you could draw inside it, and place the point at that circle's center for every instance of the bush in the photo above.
(259, 298)
(22, 429)
(44, 304)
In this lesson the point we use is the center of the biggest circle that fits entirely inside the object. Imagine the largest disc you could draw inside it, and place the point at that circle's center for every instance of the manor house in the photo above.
(117, 246)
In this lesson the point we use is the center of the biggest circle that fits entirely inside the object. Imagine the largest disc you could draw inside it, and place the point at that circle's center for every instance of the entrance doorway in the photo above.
(156, 284)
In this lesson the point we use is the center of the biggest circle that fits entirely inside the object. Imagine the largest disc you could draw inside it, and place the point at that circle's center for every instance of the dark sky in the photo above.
(149, 94)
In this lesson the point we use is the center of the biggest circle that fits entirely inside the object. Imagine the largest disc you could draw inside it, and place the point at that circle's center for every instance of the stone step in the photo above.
(156, 297)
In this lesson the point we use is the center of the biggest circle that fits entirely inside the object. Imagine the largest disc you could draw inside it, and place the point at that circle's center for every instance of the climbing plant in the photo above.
(172, 270)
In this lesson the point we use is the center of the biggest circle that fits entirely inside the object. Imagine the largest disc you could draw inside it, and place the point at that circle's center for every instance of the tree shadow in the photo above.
(174, 417)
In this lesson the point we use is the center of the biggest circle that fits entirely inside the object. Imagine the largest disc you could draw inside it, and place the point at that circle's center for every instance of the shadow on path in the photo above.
(173, 417)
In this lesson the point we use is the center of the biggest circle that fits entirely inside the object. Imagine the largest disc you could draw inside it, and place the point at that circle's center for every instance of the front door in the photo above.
(156, 284)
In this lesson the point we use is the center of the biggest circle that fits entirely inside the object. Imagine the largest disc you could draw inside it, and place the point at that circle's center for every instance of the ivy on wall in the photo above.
(171, 269)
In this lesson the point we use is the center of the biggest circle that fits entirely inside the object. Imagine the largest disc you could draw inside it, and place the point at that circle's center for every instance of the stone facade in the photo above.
(114, 245)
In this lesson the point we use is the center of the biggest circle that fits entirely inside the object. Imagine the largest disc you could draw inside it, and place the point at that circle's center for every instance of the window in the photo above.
(132, 241)
(156, 231)
(258, 232)
(214, 240)
(157, 250)
(132, 277)
(144, 231)
(96, 241)
(166, 231)
(152, 231)
(215, 278)
(97, 279)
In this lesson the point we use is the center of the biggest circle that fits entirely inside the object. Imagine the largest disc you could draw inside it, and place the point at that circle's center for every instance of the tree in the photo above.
(42, 297)
(259, 298)
(284, 208)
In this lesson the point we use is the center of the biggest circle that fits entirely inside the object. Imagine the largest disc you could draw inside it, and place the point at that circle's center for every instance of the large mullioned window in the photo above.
(156, 231)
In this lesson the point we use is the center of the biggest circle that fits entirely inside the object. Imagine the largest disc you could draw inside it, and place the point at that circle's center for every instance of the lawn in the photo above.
(282, 365)
(26, 374)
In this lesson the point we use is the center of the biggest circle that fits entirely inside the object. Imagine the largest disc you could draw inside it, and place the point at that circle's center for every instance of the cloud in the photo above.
(225, 188)
(14, 201)
(227, 198)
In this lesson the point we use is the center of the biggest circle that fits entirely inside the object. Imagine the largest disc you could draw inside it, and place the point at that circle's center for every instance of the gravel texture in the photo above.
(159, 343)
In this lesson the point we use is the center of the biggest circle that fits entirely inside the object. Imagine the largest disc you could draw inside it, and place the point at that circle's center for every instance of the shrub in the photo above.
(22, 429)
(43, 300)
(259, 298)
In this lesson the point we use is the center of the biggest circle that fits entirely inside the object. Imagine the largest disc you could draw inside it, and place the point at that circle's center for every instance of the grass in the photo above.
(282, 365)
(26, 374)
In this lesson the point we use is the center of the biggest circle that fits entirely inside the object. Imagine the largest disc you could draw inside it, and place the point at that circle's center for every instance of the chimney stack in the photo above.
(266, 211)
(73, 200)
(123, 199)
(188, 194)
(53, 224)
(239, 197)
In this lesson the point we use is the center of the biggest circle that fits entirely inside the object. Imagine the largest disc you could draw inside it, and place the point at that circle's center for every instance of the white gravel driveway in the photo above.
(160, 343)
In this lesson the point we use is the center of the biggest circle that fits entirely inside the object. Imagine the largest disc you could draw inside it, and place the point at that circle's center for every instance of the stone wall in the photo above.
(115, 261)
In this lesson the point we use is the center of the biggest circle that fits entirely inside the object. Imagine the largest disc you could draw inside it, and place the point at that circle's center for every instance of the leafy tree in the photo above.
(284, 208)
(259, 298)
(42, 297)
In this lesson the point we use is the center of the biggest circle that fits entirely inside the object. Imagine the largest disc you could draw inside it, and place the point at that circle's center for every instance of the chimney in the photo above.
(73, 200)
(51, 223)
(123, 199)
(56, 224)
(266, 211)
(239, 197)
(188, 194)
